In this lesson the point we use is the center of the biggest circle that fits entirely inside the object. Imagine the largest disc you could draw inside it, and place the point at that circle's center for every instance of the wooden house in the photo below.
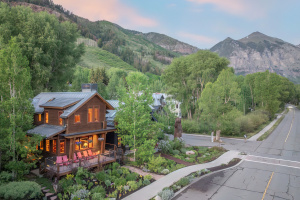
(72, 122)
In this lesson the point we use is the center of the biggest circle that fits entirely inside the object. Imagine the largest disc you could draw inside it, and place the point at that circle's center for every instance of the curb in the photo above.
(197, 179)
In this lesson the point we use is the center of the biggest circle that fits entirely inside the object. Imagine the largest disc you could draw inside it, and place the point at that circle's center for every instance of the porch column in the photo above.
(104, 142)
(71, 148)
(57, 146)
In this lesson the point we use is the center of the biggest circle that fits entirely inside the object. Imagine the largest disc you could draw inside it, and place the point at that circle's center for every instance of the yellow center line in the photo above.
(290, 127)
(267, 186)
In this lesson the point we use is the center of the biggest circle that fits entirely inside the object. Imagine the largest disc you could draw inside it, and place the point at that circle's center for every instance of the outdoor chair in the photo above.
(65, 160)
(59, 160)
(75, 159)
(85, 154)
(91, 154)
(79, 155)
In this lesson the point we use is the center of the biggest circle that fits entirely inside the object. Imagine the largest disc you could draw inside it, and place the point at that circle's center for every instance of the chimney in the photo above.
(89, 87)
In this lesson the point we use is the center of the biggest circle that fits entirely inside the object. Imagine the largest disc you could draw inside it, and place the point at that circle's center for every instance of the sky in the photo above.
(201, 23)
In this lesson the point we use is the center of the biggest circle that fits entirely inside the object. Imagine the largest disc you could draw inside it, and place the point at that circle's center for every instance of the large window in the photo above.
(84, 143)
(90, 115)
(60, 120)
(94, 114)
(77, 118)
(62, 147)
(54, 146)
(46, 117)
(40, 117)
(42, 145)
(47, 145)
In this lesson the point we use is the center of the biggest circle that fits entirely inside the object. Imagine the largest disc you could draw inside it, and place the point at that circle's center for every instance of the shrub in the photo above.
(157, 162)
(132, 176)
(175, 152)
(183, 150)
(115, 165)
(90, 185)
(82, 173)
(120, 171)
(125, 170)
(132, 185)
(63, 184)
(120, 181)
(164, 146)
(20, 190)
(148, 177)
(5, 177)
(72, 189)
(178, 144)
(107, 183)
(80, 194)
(165, 171)
(166, 194)
(126, 187)
(146, 182)
(101, 176)
(183, 182)
(98, 196)
(99, 190)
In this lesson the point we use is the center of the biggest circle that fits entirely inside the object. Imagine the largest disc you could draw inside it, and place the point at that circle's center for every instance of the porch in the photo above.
(69, 165)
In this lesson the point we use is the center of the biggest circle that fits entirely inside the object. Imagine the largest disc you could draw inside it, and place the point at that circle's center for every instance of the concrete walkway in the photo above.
(256, 136)
(141, 172)
(151, 190)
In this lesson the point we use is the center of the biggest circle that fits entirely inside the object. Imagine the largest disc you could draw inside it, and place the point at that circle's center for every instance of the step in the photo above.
(49, 194)
(43, 188)
(53, 198)
(45, 191)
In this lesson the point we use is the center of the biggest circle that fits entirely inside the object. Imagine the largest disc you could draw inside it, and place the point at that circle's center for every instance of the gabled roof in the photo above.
(114, 103)
(47, 130)
(61, 102)
(77, 98)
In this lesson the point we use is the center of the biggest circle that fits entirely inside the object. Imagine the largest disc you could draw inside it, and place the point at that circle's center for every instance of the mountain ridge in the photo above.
(258, 52)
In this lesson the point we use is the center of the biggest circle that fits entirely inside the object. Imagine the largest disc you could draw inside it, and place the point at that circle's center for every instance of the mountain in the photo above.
(149, 52)
(258, 52)
(170, 43)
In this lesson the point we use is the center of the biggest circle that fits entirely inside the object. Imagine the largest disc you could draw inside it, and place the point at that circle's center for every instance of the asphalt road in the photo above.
(271, 169)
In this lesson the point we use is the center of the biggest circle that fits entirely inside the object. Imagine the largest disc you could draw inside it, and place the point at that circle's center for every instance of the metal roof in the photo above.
(87, 132)
(46, 130)
(60, 102)
(114, 103)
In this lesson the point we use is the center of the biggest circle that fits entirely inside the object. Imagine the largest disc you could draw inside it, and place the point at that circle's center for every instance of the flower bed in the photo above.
(114, 182)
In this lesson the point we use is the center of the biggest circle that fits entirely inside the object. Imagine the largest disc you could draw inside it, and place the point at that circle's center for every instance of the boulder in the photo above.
(157, 197)
(190, 153)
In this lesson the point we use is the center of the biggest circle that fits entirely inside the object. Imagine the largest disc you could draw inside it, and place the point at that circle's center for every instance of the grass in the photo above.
(267, 133)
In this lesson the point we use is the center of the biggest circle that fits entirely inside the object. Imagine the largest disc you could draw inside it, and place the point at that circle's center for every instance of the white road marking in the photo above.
(272, 164)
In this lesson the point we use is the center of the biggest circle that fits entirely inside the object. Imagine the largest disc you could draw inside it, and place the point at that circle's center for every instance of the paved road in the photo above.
(271, 169)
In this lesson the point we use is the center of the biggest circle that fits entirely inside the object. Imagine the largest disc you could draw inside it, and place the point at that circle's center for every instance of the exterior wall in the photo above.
(53, 116)
(84, 125)
(36, 120)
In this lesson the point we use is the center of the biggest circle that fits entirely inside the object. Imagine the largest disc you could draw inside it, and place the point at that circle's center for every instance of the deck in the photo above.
(69, 166)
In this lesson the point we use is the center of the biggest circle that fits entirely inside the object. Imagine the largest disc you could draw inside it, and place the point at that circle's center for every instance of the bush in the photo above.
(120, 181)
(98, 196)
(166, 194)
(183, 182)
(178, 144)
(63, 184)
(148, 177)
(157, 162)
(132, 176)
(183, 150)
(82, 173)
(91, 184)
(146, 182)
(5, 177)
(72, 189)
(133, 186)
(164, 146)
(107, 183)
(175, 152)
(165, 171)
(80, 194)
(99, 190)
(101, 176)
(20, 190)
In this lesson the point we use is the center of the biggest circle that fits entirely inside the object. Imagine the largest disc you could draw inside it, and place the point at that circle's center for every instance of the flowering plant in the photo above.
(78, 143)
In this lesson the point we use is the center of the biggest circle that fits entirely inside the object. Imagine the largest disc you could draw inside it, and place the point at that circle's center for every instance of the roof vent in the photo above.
(89, 87)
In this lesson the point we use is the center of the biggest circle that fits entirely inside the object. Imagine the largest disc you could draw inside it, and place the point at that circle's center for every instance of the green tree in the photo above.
(135, 126)
(81, 75)
(16, 149)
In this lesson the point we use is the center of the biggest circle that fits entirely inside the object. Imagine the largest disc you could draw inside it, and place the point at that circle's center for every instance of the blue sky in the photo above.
(201, 23)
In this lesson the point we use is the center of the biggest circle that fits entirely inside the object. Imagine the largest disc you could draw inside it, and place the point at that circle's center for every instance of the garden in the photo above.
(112, 182)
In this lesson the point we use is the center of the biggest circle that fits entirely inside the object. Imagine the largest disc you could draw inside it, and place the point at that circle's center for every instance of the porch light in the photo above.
(85, 145)
(100, 139)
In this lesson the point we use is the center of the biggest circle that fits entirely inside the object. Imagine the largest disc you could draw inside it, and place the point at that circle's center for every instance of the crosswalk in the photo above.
(273, 161)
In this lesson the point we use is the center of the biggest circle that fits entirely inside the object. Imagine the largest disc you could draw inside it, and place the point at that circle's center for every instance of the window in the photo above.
(46, 117)
(47, 145)
(90, 115)
(77, 144)
(62, 147)
(60, 120)
(96, 114)
(84, 143)
(54, 146)
(42, 145)
(40, 117)
(90, 141)
(77, 118)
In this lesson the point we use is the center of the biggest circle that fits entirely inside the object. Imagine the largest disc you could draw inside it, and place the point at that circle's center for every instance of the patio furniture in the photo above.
(59, 160)
(93, 155)
(65, 160)
(75, 159)
(85, 154)
(79, 155)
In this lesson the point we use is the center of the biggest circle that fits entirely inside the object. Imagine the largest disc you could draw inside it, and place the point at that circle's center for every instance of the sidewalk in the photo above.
(151, 190)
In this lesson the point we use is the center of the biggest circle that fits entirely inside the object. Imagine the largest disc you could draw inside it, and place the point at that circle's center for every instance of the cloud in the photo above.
(198, 40)
(249, 9)
(110, 10)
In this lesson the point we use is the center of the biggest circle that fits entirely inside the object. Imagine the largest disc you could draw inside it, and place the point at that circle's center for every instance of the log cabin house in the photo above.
(72, 122)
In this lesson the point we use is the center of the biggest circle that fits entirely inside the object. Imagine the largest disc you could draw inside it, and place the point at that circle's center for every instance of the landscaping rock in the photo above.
(49, 194)
(53, 198)
(45, 191)
(157, 198)
(190, 153)
(43, 188)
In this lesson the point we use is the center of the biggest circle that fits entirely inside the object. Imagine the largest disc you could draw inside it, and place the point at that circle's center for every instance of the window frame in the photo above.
(75, 119)
(59, 118)
(39, 117)
(94, 117)
(42, 145)
(62, 141)
(46, 117)
(48, 145)
(54, 146)
(91, 116)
